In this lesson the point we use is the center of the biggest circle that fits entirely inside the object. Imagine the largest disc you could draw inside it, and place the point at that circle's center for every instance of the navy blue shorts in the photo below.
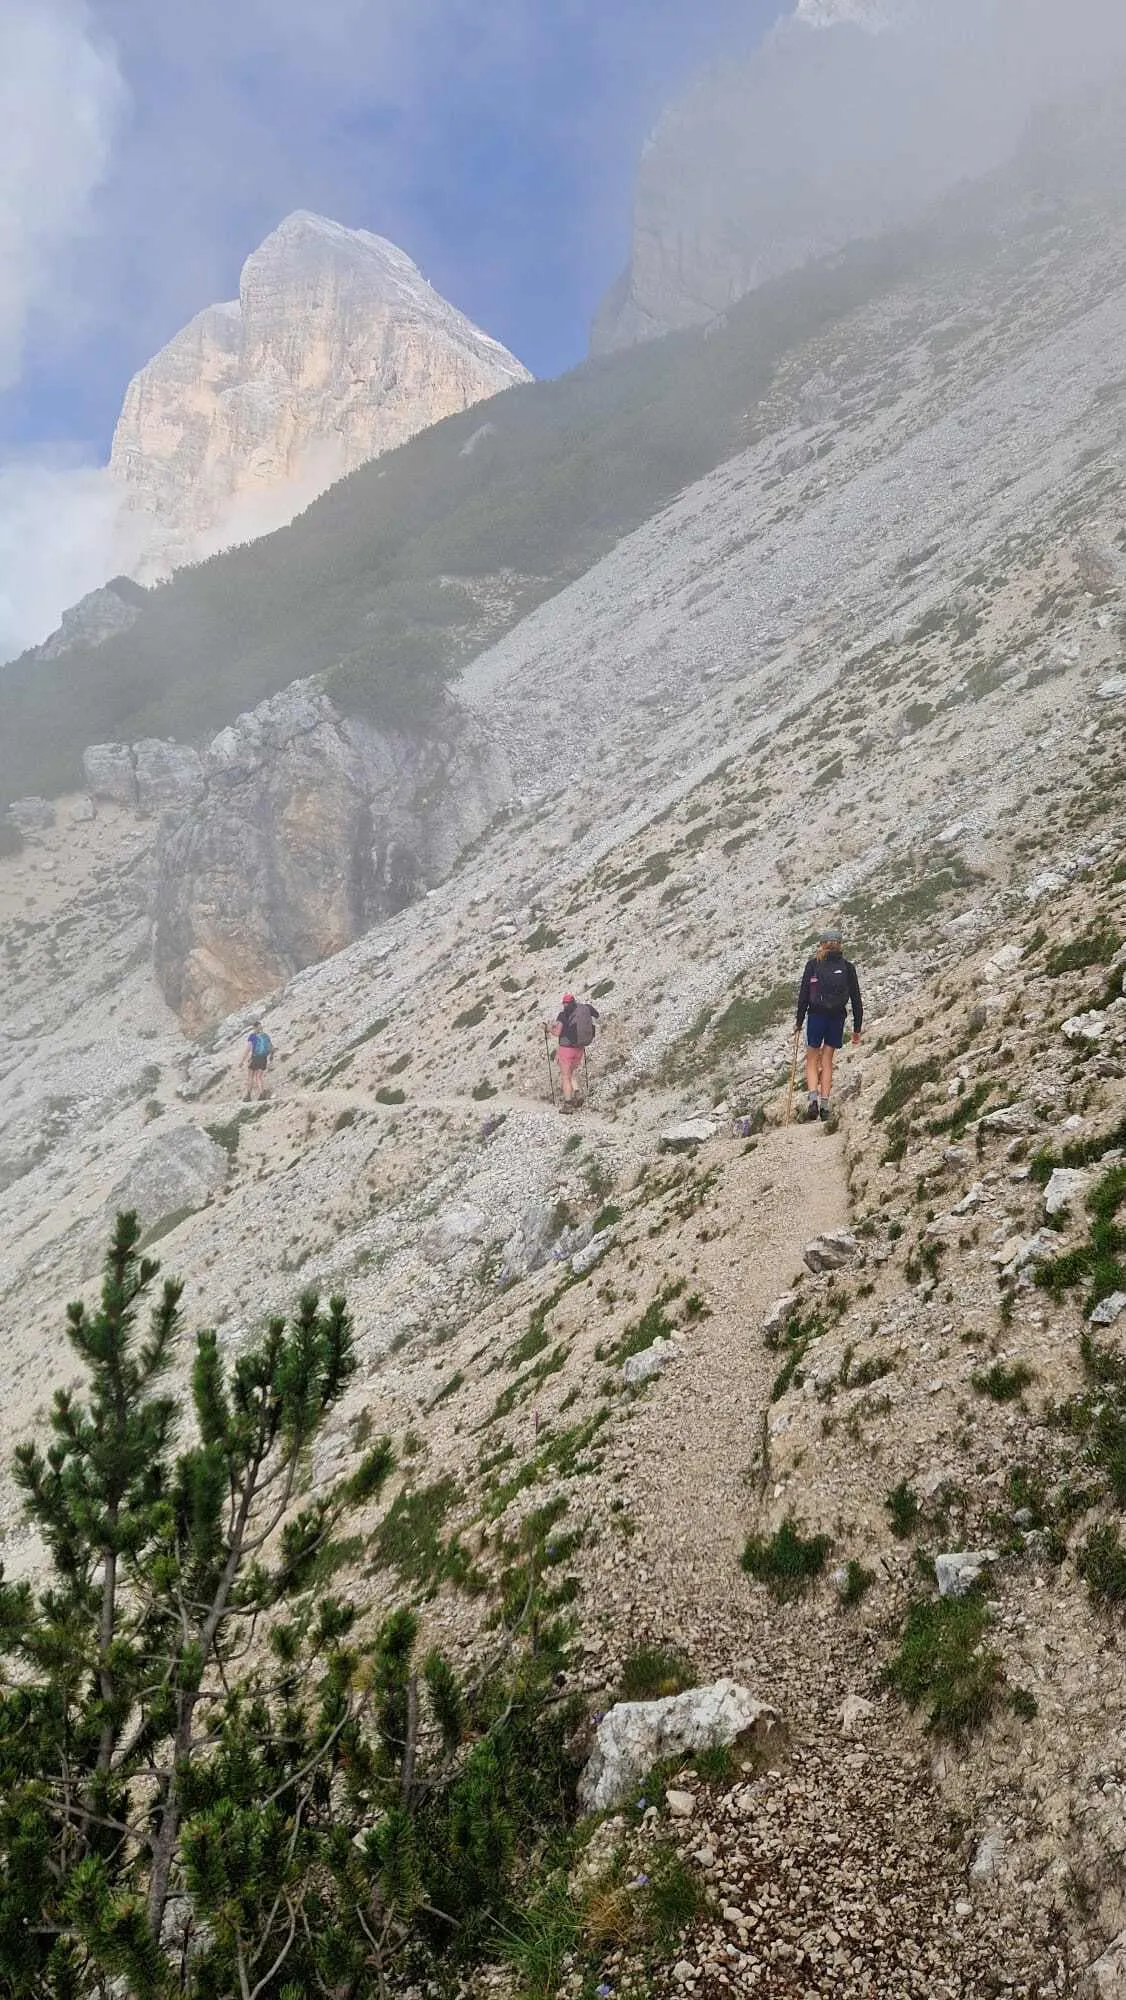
(824, 1030)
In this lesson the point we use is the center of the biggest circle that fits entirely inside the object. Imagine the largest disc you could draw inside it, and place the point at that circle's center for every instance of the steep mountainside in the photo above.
(335, 350)
(871, 666)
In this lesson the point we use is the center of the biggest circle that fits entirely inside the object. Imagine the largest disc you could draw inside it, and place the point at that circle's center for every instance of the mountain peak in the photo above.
(337, 349)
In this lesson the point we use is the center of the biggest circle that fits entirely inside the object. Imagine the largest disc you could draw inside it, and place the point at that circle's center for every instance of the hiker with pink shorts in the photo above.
(573, 1028)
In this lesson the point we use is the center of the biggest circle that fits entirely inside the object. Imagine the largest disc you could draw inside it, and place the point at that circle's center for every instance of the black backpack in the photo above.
(583, 1024)
(829, 985)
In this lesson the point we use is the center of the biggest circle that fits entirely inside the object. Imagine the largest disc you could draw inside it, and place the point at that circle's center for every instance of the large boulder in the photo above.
(312, 828)
(957, 1573)
(832, 1251)
(169, 775)
(452, 1233)
(688, 1135)
(172, 1175)
(109, 773)
(1066, 1189)
(635, 1735)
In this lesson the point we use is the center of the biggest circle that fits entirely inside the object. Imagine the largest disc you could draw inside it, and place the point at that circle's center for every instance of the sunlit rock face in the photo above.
(336, 350)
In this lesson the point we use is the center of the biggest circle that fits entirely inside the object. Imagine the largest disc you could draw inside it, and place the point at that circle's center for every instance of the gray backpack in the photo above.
(584, 1025)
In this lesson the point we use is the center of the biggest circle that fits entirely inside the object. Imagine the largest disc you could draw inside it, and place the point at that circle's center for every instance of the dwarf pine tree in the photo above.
(212, 1781)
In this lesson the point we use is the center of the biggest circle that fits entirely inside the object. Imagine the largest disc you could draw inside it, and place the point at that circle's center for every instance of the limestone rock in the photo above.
(1085, 1027)
(779, 1313)
(854, 1710)
(335, 350)
(180, 1170)
(635, 1735)
(584, 1260)
(690, 1133)
(1012, 1118)
(1065, 1190)
(957, 1573)
(1022, 1255)
(1109, 1310)
(988, 1857)
(311, 829)
(651, 1361)
(831, 1251)
(169, 776)
(452, 1233)
(109, 774)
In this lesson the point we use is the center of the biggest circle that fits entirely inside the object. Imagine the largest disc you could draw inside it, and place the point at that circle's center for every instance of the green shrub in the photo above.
(904, 1084)
(392, 1097)
(1095, 947)
(787, 1563)
(472, 1017)
(1001, 1383)
(1102, 1565)
(651, 1672)
(858, 1582)
(944, 1665)
(543, 938)
(902, 1503)
(673, 1896)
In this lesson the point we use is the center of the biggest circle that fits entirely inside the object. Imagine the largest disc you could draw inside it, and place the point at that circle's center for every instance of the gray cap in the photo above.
(830, 936)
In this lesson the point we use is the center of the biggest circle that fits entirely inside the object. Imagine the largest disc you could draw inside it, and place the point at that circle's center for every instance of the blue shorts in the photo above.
(824, 1030)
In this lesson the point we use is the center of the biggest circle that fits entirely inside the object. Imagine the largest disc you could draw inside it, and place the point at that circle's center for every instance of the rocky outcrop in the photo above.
(335, 350)
(308, 829)
(635, 1735)
(153, 776)
(173, 1175)
(95, 618)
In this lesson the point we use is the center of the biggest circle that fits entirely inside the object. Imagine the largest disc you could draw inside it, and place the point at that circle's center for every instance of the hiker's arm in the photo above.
(803, 999)
(856, 1001)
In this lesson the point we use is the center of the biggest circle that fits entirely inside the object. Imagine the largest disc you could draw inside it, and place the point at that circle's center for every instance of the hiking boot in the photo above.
(824, 1114)
(813, 1113)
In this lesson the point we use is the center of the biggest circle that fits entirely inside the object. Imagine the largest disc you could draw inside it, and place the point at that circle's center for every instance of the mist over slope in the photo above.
(402, 573)
(849, 118)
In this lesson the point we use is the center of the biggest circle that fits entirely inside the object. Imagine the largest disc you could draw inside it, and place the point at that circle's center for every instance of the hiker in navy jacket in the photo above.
(829, 987)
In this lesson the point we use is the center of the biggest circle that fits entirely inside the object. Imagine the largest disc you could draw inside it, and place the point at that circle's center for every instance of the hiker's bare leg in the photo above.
(812, 1070)
(827, 1055)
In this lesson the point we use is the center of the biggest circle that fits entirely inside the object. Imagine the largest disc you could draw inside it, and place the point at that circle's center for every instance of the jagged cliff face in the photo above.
(850, 118)
(335, 350)
(291, 834)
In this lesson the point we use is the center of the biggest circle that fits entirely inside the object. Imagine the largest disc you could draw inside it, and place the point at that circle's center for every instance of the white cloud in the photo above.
(60, 536)
(60, 98)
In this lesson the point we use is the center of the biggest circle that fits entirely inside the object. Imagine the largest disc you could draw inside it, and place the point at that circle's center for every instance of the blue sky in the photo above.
(496, 140)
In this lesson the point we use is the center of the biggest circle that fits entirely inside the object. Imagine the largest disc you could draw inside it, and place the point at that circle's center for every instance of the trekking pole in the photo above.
(550, 1071)
(793, 1076)
(588, 1089)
